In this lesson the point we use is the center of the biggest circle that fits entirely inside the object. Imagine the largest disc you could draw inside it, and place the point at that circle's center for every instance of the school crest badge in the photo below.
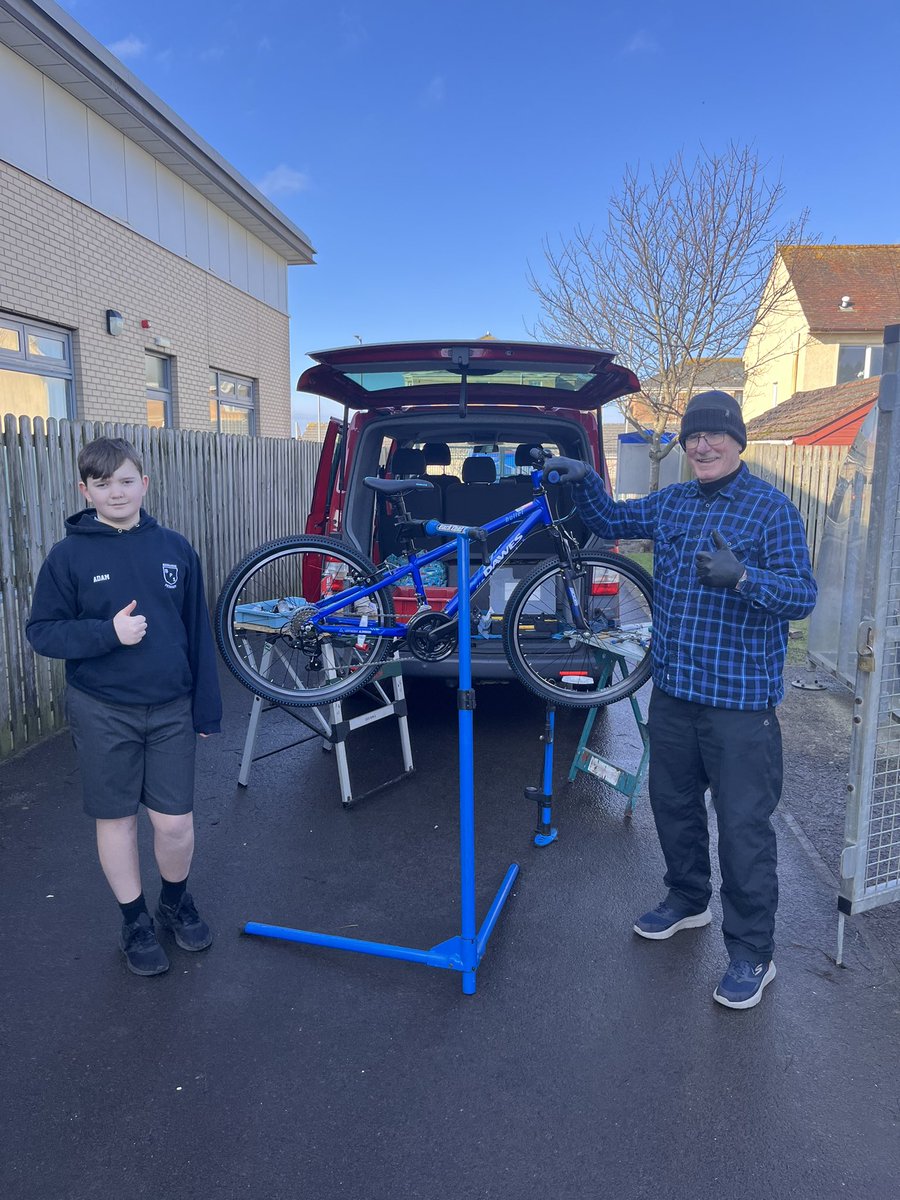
(170, 575)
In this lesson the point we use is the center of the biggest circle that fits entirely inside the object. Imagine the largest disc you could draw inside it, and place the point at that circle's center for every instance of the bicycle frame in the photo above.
(536, 513)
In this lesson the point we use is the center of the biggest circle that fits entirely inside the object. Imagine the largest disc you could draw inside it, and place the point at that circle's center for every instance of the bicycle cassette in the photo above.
(298, 625)
(431, 636)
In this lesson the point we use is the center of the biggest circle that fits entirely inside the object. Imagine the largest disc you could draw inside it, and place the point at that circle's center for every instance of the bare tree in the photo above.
(676, 279)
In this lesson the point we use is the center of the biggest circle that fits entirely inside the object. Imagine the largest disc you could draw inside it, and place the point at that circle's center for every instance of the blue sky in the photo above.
(427, 149)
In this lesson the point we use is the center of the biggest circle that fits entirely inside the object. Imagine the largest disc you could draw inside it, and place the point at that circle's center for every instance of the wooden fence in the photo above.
(806, 474)
(226, 495)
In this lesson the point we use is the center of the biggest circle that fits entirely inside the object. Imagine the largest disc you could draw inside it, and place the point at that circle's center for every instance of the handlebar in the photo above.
(540, 456)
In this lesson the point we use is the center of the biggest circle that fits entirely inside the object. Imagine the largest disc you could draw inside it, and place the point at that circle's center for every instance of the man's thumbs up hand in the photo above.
(129, 629)
(720, 569)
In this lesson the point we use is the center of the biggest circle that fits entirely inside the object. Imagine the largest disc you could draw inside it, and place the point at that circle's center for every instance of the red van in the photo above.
(464, 415)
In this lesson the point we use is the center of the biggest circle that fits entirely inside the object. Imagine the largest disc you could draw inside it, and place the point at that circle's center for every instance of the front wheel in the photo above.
(271, 637)
(581, 638)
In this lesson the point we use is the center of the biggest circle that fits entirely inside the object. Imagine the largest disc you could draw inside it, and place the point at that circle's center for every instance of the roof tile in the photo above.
(869, 275)
(806, 412)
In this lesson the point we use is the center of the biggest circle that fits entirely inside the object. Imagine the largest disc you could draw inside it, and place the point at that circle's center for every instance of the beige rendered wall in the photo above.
(66, 264)
(776, 348)
(822, 356)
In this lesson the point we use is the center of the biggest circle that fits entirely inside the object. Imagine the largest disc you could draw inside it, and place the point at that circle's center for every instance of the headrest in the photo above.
(437, 454)
(407, 461)
(523, 454)
(479, 470)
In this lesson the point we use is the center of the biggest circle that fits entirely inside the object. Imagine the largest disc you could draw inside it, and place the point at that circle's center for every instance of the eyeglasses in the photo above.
(692, 441)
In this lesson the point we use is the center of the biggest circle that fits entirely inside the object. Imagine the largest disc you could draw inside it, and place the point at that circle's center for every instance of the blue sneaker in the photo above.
(742, 984)
(664, 921)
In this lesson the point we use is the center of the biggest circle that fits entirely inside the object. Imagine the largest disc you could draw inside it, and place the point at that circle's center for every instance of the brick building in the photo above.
(142, 278)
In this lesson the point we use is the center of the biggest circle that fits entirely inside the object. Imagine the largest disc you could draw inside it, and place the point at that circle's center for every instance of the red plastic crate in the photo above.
(405, 602)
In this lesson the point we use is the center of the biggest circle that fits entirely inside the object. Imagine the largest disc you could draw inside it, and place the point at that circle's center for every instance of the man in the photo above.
(731, 569)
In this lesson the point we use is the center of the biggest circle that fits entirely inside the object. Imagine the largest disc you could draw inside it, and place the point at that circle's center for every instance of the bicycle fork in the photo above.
(568, 573)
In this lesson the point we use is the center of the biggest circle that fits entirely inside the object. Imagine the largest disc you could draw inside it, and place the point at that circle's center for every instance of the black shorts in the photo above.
(132, 754)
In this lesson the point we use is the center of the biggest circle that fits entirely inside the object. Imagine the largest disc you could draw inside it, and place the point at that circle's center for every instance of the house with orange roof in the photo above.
(827, 326)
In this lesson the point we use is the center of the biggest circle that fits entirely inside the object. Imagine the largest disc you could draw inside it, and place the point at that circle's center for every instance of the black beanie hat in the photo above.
(713, 412)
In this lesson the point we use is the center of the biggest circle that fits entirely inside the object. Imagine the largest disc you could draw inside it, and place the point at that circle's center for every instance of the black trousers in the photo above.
(737, 755)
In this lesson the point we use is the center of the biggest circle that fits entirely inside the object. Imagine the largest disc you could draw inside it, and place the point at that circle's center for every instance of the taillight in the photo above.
(604, 587)
(334, 577)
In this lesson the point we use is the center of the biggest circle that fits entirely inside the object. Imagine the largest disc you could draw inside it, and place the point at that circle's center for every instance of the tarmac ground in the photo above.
(589, 1062)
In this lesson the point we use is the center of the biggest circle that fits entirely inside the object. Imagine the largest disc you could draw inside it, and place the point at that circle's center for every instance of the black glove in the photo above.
(565, 470)
(721, 569)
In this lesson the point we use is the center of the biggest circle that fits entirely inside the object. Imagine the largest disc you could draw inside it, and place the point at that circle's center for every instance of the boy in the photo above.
(121, 600)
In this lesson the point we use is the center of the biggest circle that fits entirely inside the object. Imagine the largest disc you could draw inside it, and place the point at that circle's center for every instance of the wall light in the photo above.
(115, 322)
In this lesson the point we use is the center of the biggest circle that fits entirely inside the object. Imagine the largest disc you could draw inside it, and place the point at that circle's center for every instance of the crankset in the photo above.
(431, 636)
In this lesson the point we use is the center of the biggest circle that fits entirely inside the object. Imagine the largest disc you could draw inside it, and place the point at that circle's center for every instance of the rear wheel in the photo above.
(604, 658)
(268, 632)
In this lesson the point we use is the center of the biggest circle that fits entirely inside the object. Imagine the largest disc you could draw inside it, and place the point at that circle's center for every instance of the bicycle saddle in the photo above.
(393, 487)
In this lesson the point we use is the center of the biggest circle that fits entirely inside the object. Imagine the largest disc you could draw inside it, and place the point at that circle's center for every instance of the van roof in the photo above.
(529, 374)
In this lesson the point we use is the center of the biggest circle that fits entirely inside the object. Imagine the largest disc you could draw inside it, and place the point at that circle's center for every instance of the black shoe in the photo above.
(143, 953)
(189, 929)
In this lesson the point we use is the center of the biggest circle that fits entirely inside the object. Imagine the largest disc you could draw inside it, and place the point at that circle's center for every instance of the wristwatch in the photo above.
(741, 581)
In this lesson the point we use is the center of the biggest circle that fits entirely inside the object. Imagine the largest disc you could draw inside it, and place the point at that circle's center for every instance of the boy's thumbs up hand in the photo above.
(720, 569)
(129, 629)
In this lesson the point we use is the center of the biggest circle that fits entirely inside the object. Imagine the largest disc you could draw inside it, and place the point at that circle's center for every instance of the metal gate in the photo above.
(870, 861)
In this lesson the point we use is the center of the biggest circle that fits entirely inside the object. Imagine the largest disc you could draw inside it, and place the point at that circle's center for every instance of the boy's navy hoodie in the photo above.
(93, 574)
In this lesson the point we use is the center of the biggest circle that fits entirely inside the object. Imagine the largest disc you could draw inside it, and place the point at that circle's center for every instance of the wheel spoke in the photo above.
(603, 658)
(269, 634)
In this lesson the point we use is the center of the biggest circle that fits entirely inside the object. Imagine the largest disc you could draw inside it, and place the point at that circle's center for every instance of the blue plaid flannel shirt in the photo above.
(718, 646)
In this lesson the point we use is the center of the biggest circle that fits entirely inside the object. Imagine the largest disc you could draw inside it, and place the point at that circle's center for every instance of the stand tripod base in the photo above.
(455, 954)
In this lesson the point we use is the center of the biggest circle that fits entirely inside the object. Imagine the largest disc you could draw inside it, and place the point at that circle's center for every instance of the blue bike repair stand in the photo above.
(544, 832)
(462, 953)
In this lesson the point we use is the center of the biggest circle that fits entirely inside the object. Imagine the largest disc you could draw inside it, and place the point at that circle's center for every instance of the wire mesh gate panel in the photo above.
(870, 862)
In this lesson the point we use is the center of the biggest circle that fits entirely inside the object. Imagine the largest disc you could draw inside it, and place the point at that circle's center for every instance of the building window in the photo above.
(158, 384)
(36, 377)
(858, 362)
(232, 404)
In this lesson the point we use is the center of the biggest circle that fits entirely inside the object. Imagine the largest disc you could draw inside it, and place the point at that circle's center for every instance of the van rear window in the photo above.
(381, 381)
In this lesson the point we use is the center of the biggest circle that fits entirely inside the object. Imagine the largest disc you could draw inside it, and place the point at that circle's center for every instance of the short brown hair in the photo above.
(103, 456)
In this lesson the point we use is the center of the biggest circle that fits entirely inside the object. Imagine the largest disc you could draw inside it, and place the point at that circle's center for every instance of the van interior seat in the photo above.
(522, 481)
(437, 454)
(425, 505)
(520, 491)
(477, 499)
(478, 468)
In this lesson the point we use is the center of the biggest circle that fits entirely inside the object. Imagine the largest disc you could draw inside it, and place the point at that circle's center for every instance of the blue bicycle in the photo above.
(305, 621)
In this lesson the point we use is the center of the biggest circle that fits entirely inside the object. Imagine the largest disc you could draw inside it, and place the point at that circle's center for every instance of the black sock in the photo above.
(172, 892)
(134, 908)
